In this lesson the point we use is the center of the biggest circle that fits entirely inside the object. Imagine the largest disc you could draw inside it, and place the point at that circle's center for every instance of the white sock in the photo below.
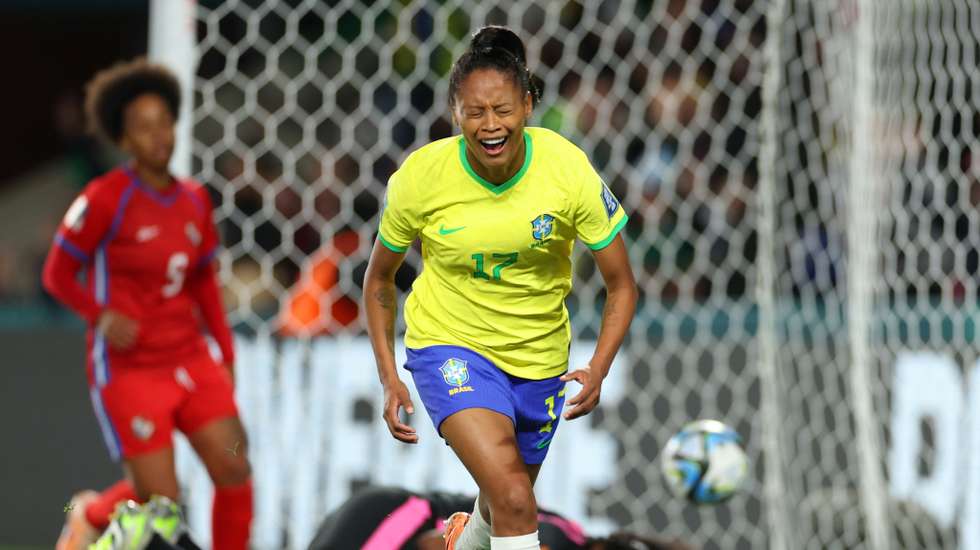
(476, 534)
(521, 542)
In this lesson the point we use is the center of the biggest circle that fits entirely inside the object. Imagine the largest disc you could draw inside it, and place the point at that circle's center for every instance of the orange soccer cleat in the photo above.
(77, 534)
(454, 528)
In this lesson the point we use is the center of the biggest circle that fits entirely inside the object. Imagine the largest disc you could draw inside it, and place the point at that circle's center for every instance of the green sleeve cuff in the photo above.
(389, 246)
(612, 235)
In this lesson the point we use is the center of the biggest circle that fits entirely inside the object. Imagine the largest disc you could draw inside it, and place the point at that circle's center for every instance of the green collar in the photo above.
(497, 189)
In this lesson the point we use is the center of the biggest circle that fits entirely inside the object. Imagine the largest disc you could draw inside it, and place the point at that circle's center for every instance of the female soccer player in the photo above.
(146, 241)
(390, 518)
(498, 210)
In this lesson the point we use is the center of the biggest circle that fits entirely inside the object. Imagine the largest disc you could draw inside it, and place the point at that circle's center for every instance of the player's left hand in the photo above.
(588, 397)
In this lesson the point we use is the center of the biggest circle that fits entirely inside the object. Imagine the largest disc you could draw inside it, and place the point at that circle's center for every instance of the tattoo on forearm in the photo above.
(385, 297)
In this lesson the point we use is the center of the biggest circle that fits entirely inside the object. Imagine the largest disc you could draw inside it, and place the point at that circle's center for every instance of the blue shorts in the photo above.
(452, 378)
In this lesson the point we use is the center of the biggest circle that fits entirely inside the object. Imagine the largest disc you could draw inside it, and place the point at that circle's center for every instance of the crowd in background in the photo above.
(668, 114)
(668, 111)
(646, 107)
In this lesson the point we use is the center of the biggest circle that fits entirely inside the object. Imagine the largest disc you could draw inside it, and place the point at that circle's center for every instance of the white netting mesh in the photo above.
(926, 129)
(917, 122)
(304, 108)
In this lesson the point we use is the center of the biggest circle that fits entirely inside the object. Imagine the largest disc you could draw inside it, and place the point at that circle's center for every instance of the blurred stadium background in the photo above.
(802, 178)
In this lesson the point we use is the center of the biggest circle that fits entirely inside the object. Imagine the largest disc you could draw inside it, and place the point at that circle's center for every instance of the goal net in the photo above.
(802, 182)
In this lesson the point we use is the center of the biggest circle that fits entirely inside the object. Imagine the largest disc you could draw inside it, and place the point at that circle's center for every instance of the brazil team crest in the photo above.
(454, 372)
(542, 226)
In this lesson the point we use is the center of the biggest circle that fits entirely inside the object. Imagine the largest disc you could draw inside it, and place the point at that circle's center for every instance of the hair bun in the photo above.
(496, 36)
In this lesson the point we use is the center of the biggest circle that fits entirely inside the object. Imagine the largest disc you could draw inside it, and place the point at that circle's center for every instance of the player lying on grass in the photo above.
(386, 518)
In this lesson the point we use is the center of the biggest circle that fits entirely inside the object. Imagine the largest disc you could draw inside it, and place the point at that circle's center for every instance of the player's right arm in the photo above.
(381, 306)
(399, 227)
(83, 228)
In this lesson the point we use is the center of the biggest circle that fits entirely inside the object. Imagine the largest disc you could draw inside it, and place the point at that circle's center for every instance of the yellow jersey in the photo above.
(496, 259)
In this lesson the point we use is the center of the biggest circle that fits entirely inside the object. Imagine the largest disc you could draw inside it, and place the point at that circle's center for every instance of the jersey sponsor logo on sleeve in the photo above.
(193, 235)
(75, 217)
(455, 373)
(142, 428)
(609, 201)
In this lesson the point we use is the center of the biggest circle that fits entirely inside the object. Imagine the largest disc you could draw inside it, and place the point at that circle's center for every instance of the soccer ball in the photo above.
(704, 462)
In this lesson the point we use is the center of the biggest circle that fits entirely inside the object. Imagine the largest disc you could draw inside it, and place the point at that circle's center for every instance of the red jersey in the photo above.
(141, 251)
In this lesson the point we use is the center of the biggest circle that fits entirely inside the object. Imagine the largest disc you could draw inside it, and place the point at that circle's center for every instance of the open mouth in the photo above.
(494, 146)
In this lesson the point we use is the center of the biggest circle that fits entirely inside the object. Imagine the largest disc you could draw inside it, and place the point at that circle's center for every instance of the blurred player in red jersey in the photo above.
(145, 241)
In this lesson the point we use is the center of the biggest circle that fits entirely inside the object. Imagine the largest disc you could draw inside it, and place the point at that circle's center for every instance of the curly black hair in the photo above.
(112, 89)
(495, 47)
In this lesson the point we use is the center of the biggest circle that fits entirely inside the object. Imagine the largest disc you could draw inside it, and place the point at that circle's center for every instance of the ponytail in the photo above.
(495, 47)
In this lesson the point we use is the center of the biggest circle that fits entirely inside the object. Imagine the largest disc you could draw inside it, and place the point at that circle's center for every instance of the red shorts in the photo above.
(139, 407)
